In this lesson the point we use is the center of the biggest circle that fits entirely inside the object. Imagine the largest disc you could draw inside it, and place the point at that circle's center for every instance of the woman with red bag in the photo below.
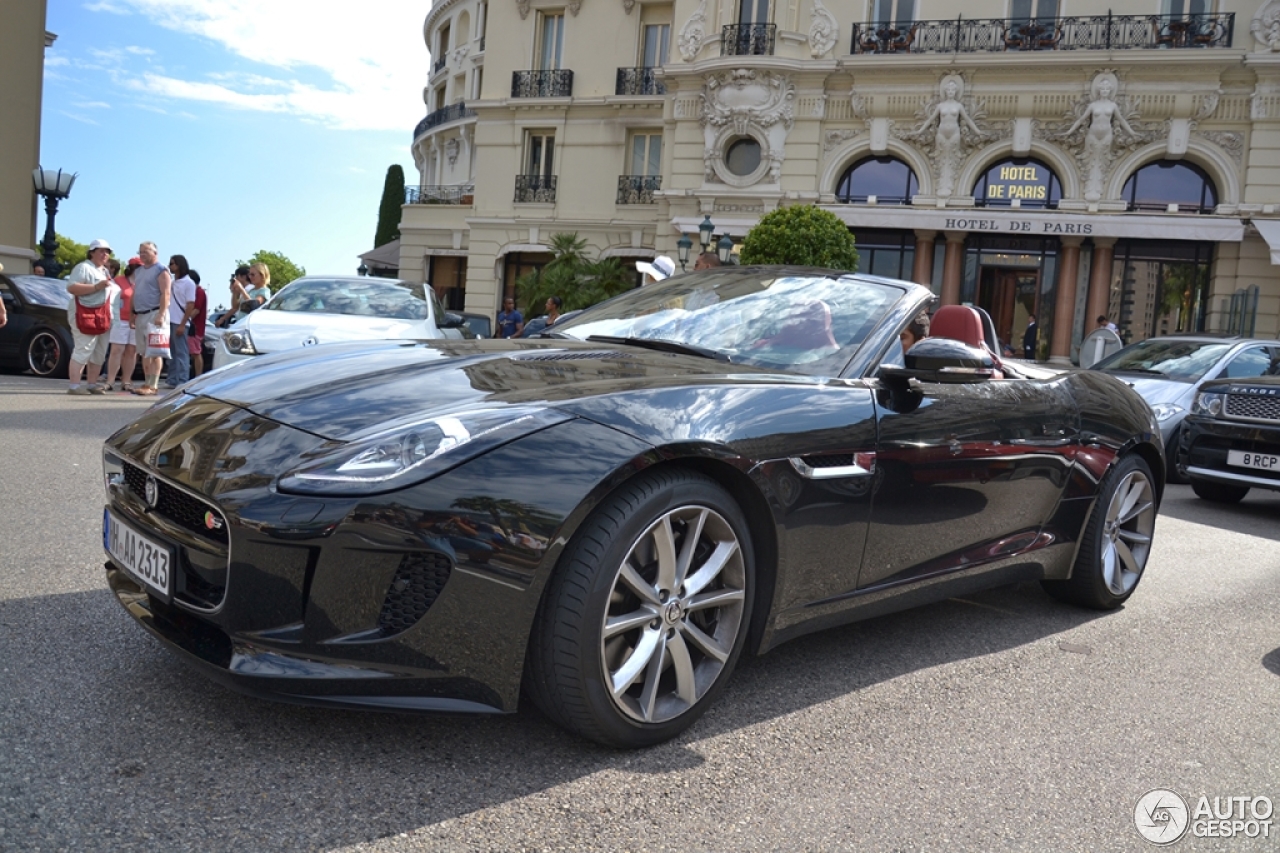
(89, 311)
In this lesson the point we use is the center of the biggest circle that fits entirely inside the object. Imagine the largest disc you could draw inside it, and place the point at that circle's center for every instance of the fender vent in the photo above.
(833, 460)
(414, 589)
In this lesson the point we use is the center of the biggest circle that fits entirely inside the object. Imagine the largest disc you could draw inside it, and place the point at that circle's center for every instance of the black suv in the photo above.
(1231, 443)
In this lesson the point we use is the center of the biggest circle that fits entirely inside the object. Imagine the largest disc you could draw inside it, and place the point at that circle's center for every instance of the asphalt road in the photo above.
(1001, 722)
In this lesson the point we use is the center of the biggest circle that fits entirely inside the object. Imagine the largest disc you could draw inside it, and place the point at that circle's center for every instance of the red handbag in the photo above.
(95, 320)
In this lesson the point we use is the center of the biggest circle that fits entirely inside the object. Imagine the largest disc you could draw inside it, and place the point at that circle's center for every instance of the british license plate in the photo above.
(1261, 461)
(144, 559)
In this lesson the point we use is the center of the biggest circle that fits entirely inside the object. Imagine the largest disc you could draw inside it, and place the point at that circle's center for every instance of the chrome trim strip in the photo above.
(836, 472)
(1231, 476)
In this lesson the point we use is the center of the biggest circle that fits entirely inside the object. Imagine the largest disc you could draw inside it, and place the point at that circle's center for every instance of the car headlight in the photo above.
(1164, 411)
(239, 342)
(1207, 404)
(414, 452)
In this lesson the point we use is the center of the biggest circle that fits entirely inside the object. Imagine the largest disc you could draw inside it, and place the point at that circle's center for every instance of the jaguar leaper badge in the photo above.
(152, 492)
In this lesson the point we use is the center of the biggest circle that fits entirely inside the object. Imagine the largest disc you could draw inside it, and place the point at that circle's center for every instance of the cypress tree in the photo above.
(389, 210)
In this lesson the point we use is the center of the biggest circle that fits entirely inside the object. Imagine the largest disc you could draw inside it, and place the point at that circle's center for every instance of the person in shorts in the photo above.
(195, 336)
(151, 292)
(124, 354)
(91, 286)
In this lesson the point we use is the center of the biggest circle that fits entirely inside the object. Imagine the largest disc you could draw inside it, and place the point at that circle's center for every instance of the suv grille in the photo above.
(1255, 408)
(414, 589)
(179, 507)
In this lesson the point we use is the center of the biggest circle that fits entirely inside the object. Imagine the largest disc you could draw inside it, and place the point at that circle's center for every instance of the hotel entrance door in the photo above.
(1009, 296)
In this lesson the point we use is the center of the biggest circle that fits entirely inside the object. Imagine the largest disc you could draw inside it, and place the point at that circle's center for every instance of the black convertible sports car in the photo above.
(610, 516)
(38, 334)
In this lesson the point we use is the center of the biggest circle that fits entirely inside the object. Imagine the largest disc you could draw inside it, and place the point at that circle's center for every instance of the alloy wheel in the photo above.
(1126, 533)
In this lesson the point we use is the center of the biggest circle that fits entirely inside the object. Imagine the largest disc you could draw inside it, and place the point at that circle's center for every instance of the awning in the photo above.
(386, 256)
(1270, 231)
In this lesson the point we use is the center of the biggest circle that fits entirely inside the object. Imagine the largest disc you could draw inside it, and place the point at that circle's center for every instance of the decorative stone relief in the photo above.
(693, 32)
(451, 151)
(628, 5)
(1265, 27)
(1229, 141)
(832, 138)
(858, 105)
(575, 6)
(948, 127)
(1101, 130)
(746, 103)
(823, 30)
(460, 54)
(523, 7)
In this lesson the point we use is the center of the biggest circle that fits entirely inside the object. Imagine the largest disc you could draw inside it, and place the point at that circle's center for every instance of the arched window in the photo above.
(1157, 185)
(889, 179)
(1028, 182)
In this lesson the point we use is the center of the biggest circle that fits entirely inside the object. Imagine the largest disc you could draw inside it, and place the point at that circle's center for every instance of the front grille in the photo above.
(1258, 408)
(179, 507)
(414, 589)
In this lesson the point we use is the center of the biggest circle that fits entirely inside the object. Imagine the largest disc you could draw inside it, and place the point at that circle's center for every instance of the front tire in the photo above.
(1116, 542)
(47, 354)
(647, 613)
(1219, 493)
(1174, 475)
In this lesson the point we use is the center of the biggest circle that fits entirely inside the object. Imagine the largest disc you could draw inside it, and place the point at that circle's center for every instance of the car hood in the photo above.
(1155, 390)
(346, 391)
(273, 331)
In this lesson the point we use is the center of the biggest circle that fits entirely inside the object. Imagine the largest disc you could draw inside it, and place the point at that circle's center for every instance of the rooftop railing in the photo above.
(1085, 32)
(457, 194)
(453, 112)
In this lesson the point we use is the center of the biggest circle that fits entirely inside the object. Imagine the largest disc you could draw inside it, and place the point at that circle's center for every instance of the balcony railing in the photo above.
(458, 194)
(535, 188)
(638, 189)
(438, 65)
(639, 81)
(453, 112)
(542, 84)
(747, 39)
(1086, 32)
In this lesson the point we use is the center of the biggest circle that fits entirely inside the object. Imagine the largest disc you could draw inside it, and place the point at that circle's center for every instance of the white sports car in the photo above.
(331, 309)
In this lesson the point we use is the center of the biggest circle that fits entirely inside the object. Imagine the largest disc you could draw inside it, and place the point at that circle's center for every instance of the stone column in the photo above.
(953, 268)
(1100, 282)
(1064, 307)
(922, 270)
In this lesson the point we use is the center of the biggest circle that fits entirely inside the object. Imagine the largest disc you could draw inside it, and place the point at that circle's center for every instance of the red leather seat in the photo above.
(964, 324)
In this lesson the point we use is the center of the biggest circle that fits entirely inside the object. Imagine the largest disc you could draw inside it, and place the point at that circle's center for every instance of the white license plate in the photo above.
(146, 560)
(1261, 461)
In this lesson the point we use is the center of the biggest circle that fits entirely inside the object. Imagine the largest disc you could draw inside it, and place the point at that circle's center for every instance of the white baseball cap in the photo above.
(662, 267)
(99, 244)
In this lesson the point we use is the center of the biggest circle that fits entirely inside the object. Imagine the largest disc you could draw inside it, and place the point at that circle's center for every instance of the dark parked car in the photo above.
(481, 325)
(538, 324)
(38, 334)
(1231, 442)
(608, 519)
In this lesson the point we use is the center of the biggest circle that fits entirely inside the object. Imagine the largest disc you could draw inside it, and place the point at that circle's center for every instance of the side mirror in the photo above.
(451, 320)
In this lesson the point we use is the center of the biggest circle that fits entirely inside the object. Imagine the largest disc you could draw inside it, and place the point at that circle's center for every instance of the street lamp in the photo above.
(705, 230)
(724, 248)
(54, 185)
(683, 245)
(362, 270)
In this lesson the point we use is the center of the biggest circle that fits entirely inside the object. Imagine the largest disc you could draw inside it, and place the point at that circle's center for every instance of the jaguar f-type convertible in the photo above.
(608, 516)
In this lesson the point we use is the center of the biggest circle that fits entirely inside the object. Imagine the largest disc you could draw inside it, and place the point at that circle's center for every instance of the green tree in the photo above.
(579, 281)
(390, 208)
(282, 269)
(69, 253)
(803, 235)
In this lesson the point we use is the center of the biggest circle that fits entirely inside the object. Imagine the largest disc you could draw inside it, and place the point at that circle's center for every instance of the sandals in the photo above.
(145, 391)
(126, 387)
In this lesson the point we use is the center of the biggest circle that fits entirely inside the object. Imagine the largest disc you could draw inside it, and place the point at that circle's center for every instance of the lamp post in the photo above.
(54, 185)
(725, 248)
(362, 270)
(683, 245)
(705, 230)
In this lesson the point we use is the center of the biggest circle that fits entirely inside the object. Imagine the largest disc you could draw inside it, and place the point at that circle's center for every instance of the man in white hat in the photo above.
(661, 267)
(89, 284)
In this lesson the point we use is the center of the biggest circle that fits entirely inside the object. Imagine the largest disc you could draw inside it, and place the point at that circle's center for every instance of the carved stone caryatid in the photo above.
(823, 30)
(1265, 27)
(948, 127)
(693, 32)
(1102, 128)
(523, 7)
(746, 102)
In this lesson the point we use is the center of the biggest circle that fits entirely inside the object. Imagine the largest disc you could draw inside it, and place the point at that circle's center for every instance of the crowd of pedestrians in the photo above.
(150, 310)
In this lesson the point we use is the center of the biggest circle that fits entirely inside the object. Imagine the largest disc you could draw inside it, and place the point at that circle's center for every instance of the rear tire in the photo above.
(1219, 493)
(1173, 475)
(647, 613)
(46, 354)
(1116, 541)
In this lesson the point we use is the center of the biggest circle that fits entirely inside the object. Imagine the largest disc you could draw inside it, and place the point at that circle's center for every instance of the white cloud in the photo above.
(350, 66)
(92, 105)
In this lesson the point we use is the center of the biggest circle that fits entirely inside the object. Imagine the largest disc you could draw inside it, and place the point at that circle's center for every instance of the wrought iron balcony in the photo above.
(453, 112)
(1084, 32)
(747, 39)
(542, 84)
(639, 81)
(535, 188)
(457, 194)
(638, 189)
(438, 65)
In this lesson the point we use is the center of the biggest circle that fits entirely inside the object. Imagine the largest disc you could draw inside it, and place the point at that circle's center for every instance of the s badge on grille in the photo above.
(152, 492)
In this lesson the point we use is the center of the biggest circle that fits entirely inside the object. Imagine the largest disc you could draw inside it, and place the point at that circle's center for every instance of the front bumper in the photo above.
(1206, 441)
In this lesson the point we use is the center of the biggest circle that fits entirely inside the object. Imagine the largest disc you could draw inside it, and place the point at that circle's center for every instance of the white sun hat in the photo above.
(662, 267)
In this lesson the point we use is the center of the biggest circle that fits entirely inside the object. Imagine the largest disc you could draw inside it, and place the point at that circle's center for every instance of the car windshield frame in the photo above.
(812, 322)
(41, 290)
(383, 298)
(1176, 359)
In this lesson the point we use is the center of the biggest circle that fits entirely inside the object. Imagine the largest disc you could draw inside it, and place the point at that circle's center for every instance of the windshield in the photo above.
(1175, 358)
(370, 297)
(807, 322)
(43, 291)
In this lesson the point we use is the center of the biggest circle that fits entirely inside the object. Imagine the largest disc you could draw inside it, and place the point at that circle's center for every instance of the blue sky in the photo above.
(220, 127)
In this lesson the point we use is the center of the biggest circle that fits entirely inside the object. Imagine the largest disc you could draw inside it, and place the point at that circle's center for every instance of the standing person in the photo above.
(259, 288)
(661, 268)
(510, 321)
(37, 268)
(195, 335)
(152, 287)
(706, 261)
(90, 286)
(124, 354)
(4, 313)
(1029, 338)
(239, 291)
(182, 308)
(1104, 323)
(553, 309)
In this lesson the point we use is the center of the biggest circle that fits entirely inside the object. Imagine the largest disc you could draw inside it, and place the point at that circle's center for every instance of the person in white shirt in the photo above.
(90, 285)
(181, 309)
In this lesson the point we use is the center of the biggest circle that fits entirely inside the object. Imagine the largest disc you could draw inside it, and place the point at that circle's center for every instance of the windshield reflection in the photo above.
(807, 322)
(1176, 359)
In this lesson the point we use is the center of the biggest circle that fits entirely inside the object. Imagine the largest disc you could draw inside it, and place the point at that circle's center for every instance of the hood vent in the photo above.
(571, 355)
